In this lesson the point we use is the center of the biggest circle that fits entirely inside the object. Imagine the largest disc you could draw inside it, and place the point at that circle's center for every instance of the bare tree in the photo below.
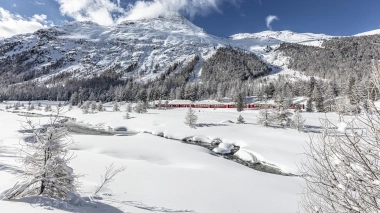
(109, 176)
(342, 171)
(264, 116)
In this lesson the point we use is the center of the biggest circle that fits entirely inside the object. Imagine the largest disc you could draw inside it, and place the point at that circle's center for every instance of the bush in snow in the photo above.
(240, 120)
(108, 177)
(342, 172)
(191, 118)
(297, 122)
(45, 161)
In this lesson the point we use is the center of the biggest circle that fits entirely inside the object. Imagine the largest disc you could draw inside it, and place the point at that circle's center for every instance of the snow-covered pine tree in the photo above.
(93, 106)
(159, 104)
(47, 108)
(140, 108)
(191, 118)
(331, 94)
(309, 105)
(318, 97)
(116, 107)
(45, 161)
(74, 99)
(281, 116)
(99, 107)
(240, 120)
(297, 122)
(17, 106)
(85, 107)
(129, 107)
(239, 102)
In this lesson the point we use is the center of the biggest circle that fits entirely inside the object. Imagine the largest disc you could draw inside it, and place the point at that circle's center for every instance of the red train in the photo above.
(221, 105)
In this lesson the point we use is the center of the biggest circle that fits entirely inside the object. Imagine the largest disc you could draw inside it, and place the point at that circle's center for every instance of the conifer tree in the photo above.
(318, 98)
(191, 118)
(240, 120)
(116, 107)
(239, 102)
(298, 122)
(99, 107)
(309, 105)
(45, 161)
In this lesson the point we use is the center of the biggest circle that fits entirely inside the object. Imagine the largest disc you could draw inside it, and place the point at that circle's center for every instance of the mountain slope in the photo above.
(142, 48)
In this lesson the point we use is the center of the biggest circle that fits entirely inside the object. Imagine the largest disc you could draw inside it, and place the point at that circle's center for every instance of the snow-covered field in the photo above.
(166, 175)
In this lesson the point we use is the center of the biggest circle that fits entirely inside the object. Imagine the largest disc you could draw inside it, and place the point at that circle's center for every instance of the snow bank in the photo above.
(223, 148)
(244, 155)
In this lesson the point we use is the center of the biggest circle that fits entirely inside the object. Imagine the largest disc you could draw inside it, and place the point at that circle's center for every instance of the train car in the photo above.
(216, 105)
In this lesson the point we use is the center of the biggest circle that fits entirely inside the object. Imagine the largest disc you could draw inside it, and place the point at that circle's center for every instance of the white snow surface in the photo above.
(168, 175)
(372, 32)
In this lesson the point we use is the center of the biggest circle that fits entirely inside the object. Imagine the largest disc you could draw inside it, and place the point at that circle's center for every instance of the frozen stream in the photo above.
(82, 129)
(259, 166)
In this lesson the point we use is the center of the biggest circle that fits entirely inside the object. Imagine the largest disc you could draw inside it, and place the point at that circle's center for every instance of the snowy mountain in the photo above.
(143, 48)
(270, 38)
(372, 32)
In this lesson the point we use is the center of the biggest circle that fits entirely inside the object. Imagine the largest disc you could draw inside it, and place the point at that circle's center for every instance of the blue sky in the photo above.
(218, 17)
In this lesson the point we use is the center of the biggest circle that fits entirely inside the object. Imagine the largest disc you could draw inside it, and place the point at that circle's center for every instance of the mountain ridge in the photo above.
(142, 49)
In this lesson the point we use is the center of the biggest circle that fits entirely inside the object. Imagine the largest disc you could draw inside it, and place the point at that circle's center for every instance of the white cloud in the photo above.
(105, 12)
(270, 19)
(12, 24)
(99, 11)
(14, 5)
(149, 9)
(39, 3)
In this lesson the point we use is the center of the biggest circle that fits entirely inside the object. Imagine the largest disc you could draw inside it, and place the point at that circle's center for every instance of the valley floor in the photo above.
(166, 175)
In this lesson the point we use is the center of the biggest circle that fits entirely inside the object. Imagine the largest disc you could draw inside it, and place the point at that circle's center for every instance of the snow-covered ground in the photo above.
(166, 175)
